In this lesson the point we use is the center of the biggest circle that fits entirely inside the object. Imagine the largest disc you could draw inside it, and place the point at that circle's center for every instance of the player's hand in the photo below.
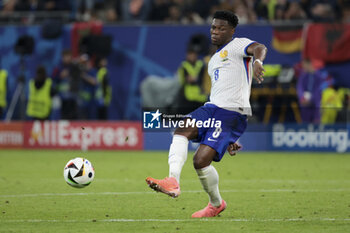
(233, 148)
(258, 70)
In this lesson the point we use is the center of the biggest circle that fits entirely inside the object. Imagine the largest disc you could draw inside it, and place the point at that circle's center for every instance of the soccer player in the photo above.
(231, 70)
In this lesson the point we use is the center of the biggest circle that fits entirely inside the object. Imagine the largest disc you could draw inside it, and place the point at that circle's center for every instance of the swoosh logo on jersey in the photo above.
(212, 140)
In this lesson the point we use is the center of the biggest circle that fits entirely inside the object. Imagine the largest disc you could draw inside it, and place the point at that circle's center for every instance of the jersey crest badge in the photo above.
(223, 55)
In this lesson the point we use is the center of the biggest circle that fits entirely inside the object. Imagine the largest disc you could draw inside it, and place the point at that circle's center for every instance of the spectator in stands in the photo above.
(245, 11)
(191, 11)
(136, 10)
(206, 77)
(63, 5)
(295, 11)
(209, 19)
(3, 91)
(306, 5)
(42, 5)
(50, 5)
(84, 8)
(202, 7)
(331, 104)
(159, 10)
(191, 17)
(343, 113)
(280, 9)
(103, 90)
(111, 11)
(111, 15)
(87, 86)
(345, 11)
(174, 14)
(66, 77)
(8, 6)
(190, 75)
(263, 10)
(309, 89)
(324, 10)
(30, 5)
(40, 96)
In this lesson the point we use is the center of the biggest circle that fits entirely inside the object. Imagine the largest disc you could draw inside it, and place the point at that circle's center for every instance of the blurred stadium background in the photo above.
(109, 60)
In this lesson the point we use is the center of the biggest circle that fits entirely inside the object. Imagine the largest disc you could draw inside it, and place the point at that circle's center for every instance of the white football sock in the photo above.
(209, 178)
(177, 156)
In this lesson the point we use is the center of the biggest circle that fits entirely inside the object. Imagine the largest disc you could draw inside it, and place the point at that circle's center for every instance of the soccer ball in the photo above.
(79, 172)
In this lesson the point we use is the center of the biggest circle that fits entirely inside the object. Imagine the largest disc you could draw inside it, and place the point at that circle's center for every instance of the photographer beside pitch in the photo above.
(231, 70)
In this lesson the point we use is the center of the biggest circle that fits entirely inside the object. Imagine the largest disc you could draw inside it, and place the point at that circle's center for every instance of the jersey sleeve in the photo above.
(242, 46)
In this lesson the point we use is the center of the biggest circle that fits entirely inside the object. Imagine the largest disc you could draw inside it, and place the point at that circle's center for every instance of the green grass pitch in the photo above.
(265, 192)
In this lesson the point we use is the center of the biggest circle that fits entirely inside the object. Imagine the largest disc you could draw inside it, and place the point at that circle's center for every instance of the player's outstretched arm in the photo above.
(259, 52)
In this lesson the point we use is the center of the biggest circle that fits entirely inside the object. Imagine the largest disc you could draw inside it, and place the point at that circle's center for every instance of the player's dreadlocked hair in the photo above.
(229, 16)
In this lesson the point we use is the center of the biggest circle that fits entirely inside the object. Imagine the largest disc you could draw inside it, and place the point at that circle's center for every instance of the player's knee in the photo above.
(199, 162)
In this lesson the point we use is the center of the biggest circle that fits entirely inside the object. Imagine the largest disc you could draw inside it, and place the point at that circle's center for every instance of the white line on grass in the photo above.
(236, 181)
(175, 220)
(185, 191)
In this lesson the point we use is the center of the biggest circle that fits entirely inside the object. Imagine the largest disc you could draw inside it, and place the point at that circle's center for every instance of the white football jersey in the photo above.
(231, 72)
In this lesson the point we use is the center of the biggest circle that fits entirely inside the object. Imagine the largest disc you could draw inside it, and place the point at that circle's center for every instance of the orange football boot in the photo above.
(210, 211)
(168, 185)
